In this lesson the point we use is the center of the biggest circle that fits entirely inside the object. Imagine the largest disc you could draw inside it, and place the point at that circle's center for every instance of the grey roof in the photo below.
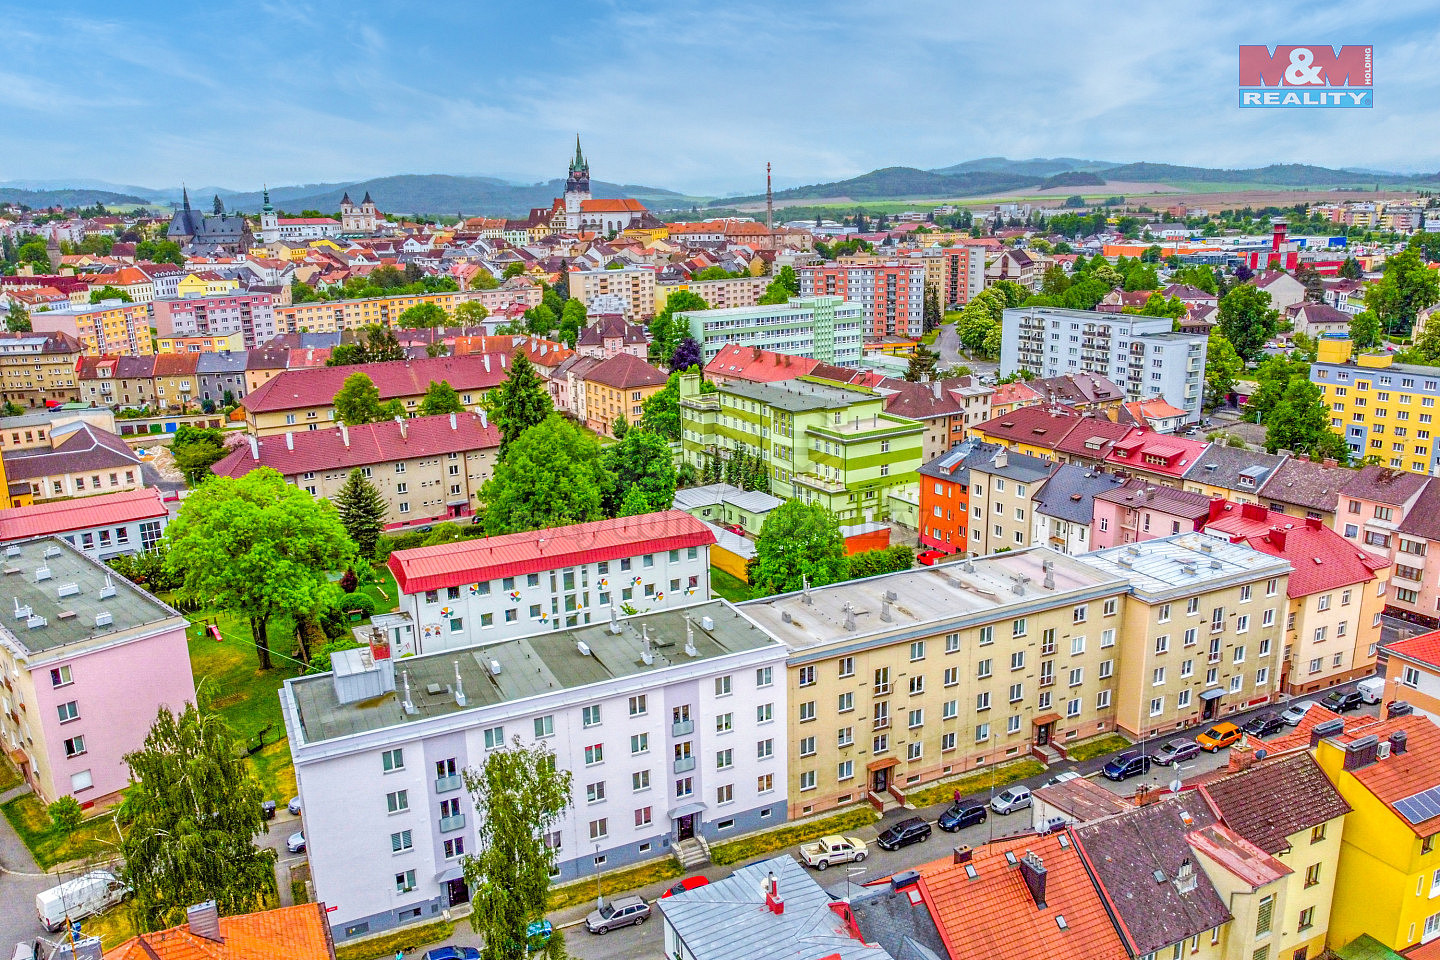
(1126, 851)
(1020, 467)
(1070, 492)
(714, 494)
(953, 464)
(224, 362)
(1223, 466)
(1179, 563)
(1423, 517)
(797, 396)
(84, 447)
(1306, 484)
(727, 919)
(1383, 484)
(1275, 799)
(887, 917)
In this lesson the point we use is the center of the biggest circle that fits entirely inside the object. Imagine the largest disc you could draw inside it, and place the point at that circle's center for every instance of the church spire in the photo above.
(185, 193)
(578, 165)
(267, 208)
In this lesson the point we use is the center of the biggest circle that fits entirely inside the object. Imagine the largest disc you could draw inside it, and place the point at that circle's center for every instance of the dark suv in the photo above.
(904, 833)
(1342, 702)
(1127, 765)
(1264, 724)
(959, 815)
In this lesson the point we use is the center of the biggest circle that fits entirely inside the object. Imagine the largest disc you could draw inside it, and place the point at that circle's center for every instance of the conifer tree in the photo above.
(362, 512)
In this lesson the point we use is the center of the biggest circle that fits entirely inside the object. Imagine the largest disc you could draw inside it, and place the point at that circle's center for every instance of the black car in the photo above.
(904, 833)
(959, 815)
(1342, 702)
(1127, 765)
(1263, 724)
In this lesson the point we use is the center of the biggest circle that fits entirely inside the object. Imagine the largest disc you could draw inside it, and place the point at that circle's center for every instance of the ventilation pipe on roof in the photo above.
(614, 618)
(254, 447)
(408, 705)
(289, 440)
(805, 597)
(454, 425)
(690, 650)
(460, 685)
(404, 428)
(645, 654)
(344, 435)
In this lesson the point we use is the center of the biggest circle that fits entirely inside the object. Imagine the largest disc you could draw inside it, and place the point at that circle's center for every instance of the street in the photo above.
(947, 344)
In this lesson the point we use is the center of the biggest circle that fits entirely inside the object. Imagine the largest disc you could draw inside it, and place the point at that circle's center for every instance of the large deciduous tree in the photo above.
(192, 814)
(551, 476)
(196, 449)
(519, 402)
(359, 402)
(1223, 367)
(361, 510)
(440, 397)
(258, 547)
(524, 797)
(1406, 287)
(666, 331)
(661, 410)
(798, 541)
(424, 315)
(641, 461)
(1247, 320)
(1300, 422)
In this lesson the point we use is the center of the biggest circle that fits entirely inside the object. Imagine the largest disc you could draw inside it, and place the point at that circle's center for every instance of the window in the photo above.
(807, 676)
(1080, 613)
(685, 787)
(68, 711)
(845, 770)
(807, 746)
(61, 676)
(1317, 833)
(982, 732)
(764, 676)
(952, 676)
(402, 841)
(1410, 677)
(638, 706)
(405, 882)
(75, 746)
(1107, 638)
(1017, 660)
(544, 727)
(1307, 918)
(1077, 676)
(724, 723)
(1162, 643)
(914, 751)
(917, 718)
(1157, 678)
(807, 711)
(1110, 607)
(640, 780)
(1182, 699)
(987, 635)
(1072, 707)
(764, 749)
(1107, 669)
(982, 669)
(494, 738)
(1077, 646)
(397, 801)
(947, 742)
(1164, 616)
(722, 686)
(847, 667)
(917, 650)
(1264, 915)
(595, 792)
(1312, 877)
(1102, 699)
(845, 736)
(725, 793)
(1017, 628)
(643, 817)
(594, 754)
(807, 780)
(952, 642)
(764, 713)
(590, 715)
(599, 829)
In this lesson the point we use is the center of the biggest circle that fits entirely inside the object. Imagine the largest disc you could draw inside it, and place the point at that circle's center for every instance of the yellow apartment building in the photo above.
(1382, 408)
(111, 327)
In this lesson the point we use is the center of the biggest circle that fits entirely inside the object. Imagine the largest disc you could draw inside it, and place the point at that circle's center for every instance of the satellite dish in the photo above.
(1260, 754)
(1175, 785)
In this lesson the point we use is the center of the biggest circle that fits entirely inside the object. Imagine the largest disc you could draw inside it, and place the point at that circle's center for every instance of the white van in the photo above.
(1372, 689)
(84, 896)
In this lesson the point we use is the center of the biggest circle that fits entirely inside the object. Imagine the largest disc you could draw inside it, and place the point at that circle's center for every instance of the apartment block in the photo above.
(1140, 354)
(630, 289)
(825, 444)
(493, 588)
(331, 316)
(251, 315)
(956, 273)
(109, 327)
(891, 293)
(1201, 634)
(1373, 504)
(1002, 490)
(617, 388)
(1382, 408)
(1415, 578)
(827, 329)
(903, 679)
(722, 294)
(672, 724)
(38, 369)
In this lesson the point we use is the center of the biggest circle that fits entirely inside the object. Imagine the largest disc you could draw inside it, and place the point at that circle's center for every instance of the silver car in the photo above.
(620, 912)
(1294, 713)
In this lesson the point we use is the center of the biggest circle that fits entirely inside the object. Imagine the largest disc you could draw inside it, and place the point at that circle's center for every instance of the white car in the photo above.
(296, 842)
(1014, 798)
(1294, 713)
(1062, 778)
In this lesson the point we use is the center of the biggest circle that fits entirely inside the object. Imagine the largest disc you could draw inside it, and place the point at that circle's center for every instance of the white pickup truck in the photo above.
(828, 850)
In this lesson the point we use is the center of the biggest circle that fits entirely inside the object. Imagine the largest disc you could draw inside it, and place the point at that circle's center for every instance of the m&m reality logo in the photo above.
(1317, 75)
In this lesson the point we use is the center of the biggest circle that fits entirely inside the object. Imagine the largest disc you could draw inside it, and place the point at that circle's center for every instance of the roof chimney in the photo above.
(344, 435)
(454, 425)
(1361, 753)
(1277, 537)
(1397, 742)
(1002, 457)
(1033, 872)
(1326, 728)
(289, 440)
(773, 901)
(254, 447)
(404, 430)
(204, 921)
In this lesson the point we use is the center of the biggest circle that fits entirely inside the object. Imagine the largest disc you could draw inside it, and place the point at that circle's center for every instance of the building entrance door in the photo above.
(685, 827)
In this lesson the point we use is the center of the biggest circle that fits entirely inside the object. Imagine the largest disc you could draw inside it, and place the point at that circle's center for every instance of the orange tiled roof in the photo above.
(1398, 777)
(612, 206)
(994, 915)
(1424, 648)
(295, 933)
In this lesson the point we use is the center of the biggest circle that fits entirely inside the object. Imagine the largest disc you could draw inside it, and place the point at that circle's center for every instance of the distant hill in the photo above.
(1073, 178)
(1037, 167)
(1279, 174)
(898, 183)
(77, 197)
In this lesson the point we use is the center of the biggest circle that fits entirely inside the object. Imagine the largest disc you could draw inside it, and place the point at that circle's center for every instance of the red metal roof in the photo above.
(515, 554)
(1323, 560)
(1424, 648)
(44, 519)
(317, 386)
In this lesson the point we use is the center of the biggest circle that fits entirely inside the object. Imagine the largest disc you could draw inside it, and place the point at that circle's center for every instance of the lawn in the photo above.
(731, 588)
(1096, 746)
(113, 927)
(385, 594)
(9, 776)
(977, 782)
(747, 848)
(614, 883)
(95, 838)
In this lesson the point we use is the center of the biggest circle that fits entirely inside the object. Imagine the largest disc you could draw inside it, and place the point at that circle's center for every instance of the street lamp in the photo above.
(599, 897)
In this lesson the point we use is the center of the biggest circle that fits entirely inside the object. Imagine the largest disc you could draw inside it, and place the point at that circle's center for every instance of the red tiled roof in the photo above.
(1178, 452)
(1323, 560)
(176, 364)
(515, 554)
(370, 443)
(1424, 648)
(295, 933)
(612, 206)
(994, 915)
(756, 365)
(1039, 426)
(316, 387)
(626, 372)
(44, 519)
(1017, 392)
(1404, 775)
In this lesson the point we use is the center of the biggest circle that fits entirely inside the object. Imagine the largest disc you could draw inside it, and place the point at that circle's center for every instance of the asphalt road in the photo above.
(947, 344)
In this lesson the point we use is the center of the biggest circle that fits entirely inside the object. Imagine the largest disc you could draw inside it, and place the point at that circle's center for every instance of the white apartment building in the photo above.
(671, 723)
(1141, 354)
(828, 329)
(480, 591)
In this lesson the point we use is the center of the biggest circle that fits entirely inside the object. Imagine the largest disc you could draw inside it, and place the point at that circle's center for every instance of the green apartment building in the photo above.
(828, 329)
(824, 443)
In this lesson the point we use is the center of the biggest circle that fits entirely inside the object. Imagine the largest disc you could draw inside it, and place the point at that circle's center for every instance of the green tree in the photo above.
(359, 402)
(1365, 331)
(1159, 305)
(1272, 378)
(65, 813)
(798, 541)
(192, 811)
(661, 412)
(551, 476)
(1300, 422)
(440, 397)
(1406, 287)
(933, 316)
(1350, 269)
(196, 449)
(923, 361)
(572, 321)
(108, 292)
(872, 563)
(18, 319)
(256, 546)
(540, 321)
(619, 426)
(373, 344)
(642, 461)
(1246, 319)
(513, 270)
(361, 510)
(524, 797)
(159, 251)
(468, 314)
(484, 280)
(1223, 367)
(34, 252)
(519, 402)
(634, 504)
(665, 331)
(424, 315)
(1202, 278)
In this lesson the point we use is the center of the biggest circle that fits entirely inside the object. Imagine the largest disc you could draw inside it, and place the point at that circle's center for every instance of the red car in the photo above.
(689, 883)
(931, 557)
(734, 528)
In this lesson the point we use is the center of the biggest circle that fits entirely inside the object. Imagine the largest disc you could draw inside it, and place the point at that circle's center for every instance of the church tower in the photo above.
(269, 221)
(577, 188)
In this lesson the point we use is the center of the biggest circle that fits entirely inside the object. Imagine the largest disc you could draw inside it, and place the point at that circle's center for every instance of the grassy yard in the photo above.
(385, 594)
(979, 781)
(731, 588)
(95, 838)
(387, 945)
(613, 883)
(1097, 746)
(9, 776)
(113, 927)
(748, 848)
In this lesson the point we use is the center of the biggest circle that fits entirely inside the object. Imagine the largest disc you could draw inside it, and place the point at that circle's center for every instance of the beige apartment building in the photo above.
(38, 369)
(627, 290)
(719, 294)
(1200, 637)
(329, 316)
(904, 679)
(1002, 487)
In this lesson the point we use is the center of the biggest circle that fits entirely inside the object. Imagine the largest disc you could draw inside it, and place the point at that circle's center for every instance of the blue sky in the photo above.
(694, 97)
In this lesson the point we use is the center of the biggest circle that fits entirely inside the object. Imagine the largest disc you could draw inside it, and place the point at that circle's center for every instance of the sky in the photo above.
(694, 97)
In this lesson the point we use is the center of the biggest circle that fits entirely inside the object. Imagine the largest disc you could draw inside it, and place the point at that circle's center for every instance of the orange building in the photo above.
(945, 500)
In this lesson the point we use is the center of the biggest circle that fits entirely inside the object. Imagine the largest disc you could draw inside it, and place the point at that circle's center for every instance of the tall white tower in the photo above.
(269, 221)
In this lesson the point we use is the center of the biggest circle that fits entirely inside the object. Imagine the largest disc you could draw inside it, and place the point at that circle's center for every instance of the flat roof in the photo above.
(983, 588)
(71, 618)
(530, 666)
(797, 396)
(1181, 561)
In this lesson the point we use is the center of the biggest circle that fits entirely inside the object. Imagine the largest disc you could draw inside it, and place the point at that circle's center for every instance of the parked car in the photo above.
(296, 842)
(929, 558)
(1371, 689)
(1014, 798)
(828, 850)
(294, 806)
(78, 898)
(1062, 777)
(1177, 751)
(959, 815)
(907, 831)
(1131, 763)
(734, 528)
(452, 953)
(538, 932)
(1263, 724)
(1342, 702)
(1218, 737)
(620, 912)
(689, 883)
(1294, 713)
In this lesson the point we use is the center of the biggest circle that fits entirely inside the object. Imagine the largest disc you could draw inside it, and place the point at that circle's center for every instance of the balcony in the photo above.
(819, 483)
(684, 764)
(681, 728)
(451, 824)
(448, 784)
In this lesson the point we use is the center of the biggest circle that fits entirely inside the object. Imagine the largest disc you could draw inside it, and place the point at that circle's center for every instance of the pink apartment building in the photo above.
(1141, 510)
(86, 661)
